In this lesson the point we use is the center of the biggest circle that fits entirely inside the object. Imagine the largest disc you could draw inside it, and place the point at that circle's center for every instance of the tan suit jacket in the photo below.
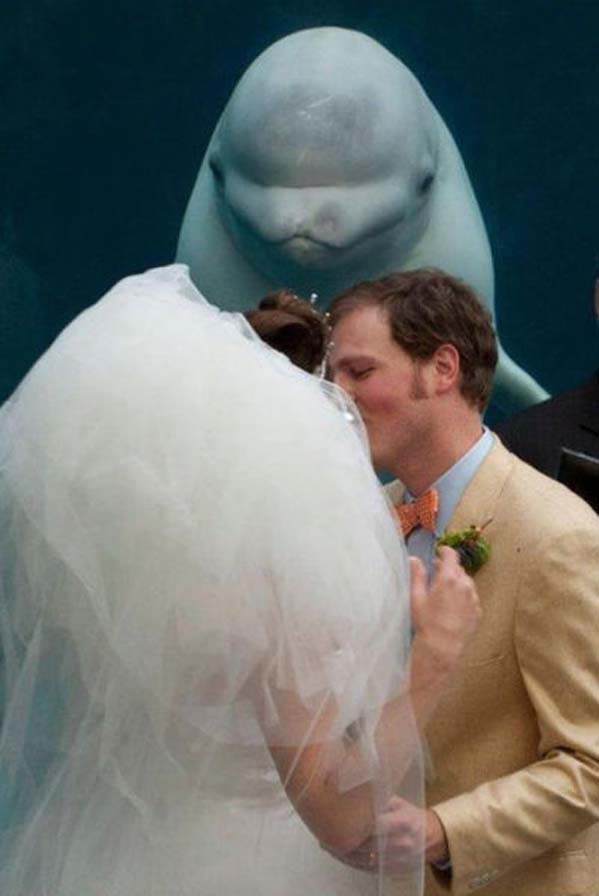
(515, 741)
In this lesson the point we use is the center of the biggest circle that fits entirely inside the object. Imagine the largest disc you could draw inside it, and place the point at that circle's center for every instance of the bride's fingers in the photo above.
(396, 802)
(446, 558)
(402, 827)
(418, 587)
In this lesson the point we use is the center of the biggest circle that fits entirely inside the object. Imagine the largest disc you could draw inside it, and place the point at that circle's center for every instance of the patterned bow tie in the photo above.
(421, 512)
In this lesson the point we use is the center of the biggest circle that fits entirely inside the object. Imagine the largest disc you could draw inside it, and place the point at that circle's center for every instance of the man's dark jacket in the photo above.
(570, 420)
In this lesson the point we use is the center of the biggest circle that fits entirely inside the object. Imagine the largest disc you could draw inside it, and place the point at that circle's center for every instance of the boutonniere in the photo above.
(472, 547)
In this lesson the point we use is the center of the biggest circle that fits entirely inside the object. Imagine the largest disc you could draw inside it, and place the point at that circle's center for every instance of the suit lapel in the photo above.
(477, 504)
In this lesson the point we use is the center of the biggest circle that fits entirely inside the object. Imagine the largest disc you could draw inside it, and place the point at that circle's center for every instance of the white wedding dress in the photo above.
(190, 532)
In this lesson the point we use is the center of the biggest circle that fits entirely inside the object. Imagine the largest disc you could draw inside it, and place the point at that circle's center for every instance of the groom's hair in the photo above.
(427, 308)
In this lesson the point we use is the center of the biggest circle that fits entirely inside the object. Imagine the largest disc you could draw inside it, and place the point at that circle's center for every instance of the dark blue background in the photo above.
(106, 108)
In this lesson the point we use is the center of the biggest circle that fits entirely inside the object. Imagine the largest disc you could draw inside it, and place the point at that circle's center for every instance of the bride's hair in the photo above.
(292, 326)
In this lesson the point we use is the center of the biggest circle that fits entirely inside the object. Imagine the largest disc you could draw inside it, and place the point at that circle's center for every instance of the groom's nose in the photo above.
(343, 380)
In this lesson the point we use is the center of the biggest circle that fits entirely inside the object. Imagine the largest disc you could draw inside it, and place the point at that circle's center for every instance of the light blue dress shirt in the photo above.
(450, 487)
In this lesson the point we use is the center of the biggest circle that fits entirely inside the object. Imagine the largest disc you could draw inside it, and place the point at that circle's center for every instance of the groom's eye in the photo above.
(361, 372)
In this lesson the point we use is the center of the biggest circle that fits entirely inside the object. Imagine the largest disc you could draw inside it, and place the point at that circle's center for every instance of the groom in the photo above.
(513, 800)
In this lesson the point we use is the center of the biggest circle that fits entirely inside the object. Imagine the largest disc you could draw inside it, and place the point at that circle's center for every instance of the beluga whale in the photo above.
(330, 165)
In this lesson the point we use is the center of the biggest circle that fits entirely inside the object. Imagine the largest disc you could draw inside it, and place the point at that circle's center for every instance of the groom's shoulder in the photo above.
(535, 500)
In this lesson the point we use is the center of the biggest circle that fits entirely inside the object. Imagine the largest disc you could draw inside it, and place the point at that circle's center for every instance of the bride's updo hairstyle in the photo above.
(291, 326)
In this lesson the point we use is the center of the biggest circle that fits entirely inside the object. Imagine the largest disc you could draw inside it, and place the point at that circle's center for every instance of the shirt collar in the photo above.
(451, 485)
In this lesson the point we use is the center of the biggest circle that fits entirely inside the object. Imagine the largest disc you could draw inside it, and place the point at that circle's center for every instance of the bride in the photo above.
(205, 616)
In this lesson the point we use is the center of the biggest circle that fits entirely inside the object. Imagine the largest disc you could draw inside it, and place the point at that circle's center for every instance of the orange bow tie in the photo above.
(421, 512)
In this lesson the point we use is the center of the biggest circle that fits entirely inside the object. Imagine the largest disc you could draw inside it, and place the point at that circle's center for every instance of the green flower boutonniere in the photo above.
(473, 548)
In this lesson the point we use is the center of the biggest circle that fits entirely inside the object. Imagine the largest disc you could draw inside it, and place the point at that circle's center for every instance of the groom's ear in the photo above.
(446, 367)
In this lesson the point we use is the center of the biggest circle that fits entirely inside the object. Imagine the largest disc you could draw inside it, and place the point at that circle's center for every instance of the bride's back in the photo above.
(179, 552)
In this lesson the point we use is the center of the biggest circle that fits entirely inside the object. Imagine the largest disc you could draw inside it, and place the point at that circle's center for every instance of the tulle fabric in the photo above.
(196, 560)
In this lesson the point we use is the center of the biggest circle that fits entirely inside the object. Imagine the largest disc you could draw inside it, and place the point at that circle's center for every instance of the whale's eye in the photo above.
(425, 184)
(217, 171)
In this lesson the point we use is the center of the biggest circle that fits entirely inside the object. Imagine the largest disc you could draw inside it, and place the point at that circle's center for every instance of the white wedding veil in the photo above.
(189, 529)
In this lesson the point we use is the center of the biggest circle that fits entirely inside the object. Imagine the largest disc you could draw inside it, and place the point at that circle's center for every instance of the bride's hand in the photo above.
(445, 615)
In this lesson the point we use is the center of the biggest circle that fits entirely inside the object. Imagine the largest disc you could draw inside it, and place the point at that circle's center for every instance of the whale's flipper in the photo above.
(513, 388)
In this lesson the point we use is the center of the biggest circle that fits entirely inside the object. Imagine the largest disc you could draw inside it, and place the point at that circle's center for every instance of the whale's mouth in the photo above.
(307, 250)
(301, 243)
